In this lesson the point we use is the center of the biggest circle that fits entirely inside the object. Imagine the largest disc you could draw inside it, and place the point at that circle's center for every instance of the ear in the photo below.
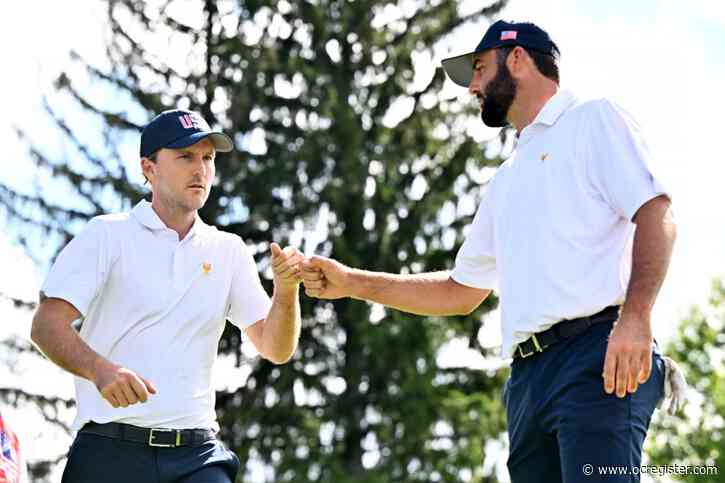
(148, 168)
(516, 61)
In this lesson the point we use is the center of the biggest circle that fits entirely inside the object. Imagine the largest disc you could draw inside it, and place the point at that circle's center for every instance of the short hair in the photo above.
(547, 64)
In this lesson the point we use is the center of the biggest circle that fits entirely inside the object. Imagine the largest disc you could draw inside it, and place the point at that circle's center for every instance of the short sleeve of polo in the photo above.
(82, 267)
(249, 301)
(618, 160)
(475, 264)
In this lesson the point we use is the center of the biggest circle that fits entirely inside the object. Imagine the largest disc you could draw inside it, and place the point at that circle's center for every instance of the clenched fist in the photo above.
(326, 278)
(122, 387)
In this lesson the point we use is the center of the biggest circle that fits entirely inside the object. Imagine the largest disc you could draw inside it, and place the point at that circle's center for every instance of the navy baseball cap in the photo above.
(179, 128)
(500, 34)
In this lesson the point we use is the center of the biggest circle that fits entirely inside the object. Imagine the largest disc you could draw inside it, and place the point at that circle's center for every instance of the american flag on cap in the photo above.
(10, 466)
(508, 35)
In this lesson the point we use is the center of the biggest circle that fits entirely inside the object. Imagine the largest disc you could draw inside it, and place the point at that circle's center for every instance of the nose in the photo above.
(200, 167)
(474, 88)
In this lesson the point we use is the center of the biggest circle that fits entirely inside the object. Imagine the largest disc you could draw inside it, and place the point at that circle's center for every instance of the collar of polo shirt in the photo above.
(145, 214)
(549, 114)
(555, 107)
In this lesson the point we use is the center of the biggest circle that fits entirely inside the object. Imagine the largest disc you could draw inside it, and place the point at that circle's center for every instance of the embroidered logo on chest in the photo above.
(206, 268)
(544, 156)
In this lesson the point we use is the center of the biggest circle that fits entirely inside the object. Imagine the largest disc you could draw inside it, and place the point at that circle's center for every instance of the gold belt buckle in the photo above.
(164, 445)
(537, 348)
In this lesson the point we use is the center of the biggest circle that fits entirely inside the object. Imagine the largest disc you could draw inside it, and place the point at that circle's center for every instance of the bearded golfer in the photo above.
(154, 287)
(554, 230)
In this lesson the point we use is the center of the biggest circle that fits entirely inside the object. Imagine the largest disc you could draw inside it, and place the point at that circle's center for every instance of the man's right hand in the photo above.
(325, 278)
(121, 387)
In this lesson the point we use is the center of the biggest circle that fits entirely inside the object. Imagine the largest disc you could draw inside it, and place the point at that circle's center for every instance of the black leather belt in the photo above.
(156, 437)
(563, 330)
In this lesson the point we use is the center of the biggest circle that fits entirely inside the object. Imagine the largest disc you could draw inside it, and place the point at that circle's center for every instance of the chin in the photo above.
(192, 204)
(197, 204)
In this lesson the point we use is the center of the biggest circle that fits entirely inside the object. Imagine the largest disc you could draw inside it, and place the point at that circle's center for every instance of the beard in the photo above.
(498, 97)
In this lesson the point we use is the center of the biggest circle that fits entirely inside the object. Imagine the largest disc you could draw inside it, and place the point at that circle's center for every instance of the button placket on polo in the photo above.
(179, 276)
(181, 273)
(176, 273)
(172, 240)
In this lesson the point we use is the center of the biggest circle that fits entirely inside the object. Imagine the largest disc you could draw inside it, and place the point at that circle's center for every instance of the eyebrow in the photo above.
(189, 151)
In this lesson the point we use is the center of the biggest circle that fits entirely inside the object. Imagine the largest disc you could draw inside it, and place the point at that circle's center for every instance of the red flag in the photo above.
(10, 464)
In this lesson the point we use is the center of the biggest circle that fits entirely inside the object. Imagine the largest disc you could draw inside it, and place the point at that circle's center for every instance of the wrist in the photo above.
(637, 321)
(98, 367)
(286, 290)
(635, 314)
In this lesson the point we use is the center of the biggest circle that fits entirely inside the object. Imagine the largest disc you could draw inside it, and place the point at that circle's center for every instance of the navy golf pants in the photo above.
(563, 427)
(95, 459)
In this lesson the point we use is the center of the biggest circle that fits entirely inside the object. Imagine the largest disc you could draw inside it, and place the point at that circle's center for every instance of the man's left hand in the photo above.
(286, 267)
(628, 362)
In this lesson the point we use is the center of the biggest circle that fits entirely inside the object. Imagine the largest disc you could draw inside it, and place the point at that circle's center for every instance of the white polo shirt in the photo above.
(157, 306)
(553, 230)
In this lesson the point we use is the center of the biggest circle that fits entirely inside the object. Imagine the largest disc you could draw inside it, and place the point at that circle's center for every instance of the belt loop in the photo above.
(121, 431)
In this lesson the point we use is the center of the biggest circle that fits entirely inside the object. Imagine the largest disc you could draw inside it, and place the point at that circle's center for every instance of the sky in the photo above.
(661, 60)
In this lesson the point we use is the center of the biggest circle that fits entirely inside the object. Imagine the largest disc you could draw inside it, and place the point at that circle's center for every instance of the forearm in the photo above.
(281, 331)
(652, 249)
(62, 345)
(433, 293)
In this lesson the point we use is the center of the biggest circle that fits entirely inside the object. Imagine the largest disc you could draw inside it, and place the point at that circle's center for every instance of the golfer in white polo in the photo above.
(576, 233)
(154, 288)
